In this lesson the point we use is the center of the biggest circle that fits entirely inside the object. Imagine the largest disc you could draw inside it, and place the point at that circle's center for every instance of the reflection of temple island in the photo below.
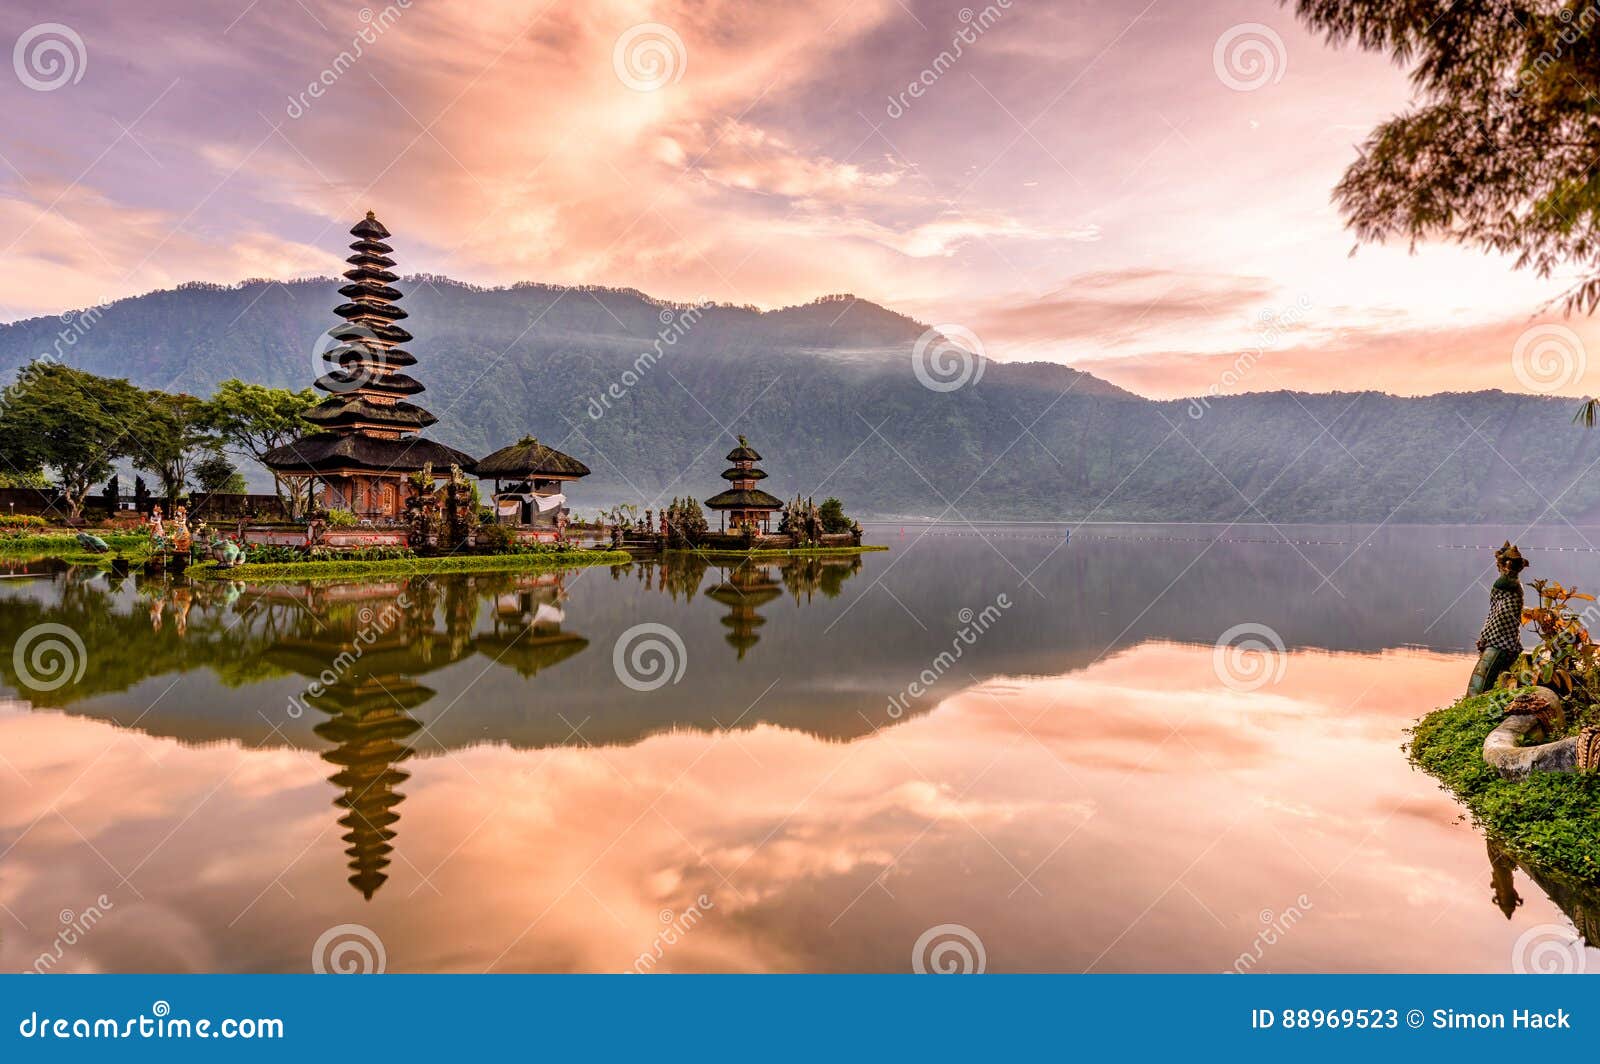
(362, 651)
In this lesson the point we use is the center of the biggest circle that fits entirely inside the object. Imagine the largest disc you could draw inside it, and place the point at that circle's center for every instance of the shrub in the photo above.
(341, 519)
(497, 539)
(269, 554)
(363, 554)
(22, 521)
(833, 517)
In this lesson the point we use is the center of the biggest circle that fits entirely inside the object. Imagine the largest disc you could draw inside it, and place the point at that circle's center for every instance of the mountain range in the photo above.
(651, 396)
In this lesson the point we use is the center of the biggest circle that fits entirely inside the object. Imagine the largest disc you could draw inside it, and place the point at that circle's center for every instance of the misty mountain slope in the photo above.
(827, 393)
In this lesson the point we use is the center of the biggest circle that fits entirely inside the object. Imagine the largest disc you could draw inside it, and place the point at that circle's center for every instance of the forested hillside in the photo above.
(827, 393)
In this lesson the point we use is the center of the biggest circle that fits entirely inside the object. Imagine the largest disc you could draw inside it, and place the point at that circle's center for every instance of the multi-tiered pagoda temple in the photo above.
(369, 440)
(744, 504)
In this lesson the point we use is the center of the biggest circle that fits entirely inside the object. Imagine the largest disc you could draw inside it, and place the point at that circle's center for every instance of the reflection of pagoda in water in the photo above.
(361, 647)
(743, 591)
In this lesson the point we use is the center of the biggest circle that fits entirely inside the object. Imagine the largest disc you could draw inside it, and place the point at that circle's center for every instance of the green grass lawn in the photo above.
(1551, 820)
(462, 563)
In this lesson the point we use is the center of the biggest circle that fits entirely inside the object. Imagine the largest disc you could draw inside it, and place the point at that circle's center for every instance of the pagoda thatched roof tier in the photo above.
(744, 499)
(744, 474)
(367, 273)
(341, 383)
(743, 453)
(382, 333)
(388, 663)
(367, 309)
(529, 458)
(350, 408)
(370, 290)
(329, 452)
(369, 228)
(350, 354)
(734, 595)
(370, 259)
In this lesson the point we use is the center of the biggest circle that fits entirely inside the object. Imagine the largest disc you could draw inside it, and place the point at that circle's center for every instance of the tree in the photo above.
(832, 515)
(214, 473)
(254, 419)
(72, 422)
(1498, 146)
(171, 437)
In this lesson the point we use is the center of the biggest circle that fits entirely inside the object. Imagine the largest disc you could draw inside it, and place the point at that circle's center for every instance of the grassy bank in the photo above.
(792, 552)
(463, 563)
(1551, 820)
(58, 544)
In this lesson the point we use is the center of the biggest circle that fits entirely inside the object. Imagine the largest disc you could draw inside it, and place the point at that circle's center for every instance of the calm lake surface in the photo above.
(794, 767)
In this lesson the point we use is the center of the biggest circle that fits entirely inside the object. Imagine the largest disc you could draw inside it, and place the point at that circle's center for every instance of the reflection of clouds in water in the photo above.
(1132, 816)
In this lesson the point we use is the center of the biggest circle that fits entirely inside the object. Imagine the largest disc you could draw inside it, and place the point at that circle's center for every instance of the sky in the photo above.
(1140, 189)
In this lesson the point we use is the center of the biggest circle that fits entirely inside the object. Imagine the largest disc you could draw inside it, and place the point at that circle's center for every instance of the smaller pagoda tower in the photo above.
(743, 504)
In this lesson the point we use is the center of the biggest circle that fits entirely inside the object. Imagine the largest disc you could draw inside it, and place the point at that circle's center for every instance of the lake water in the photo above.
(984, 743)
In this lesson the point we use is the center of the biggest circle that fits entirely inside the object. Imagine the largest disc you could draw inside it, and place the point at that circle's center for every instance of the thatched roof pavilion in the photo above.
(537, 473)
(528, 459)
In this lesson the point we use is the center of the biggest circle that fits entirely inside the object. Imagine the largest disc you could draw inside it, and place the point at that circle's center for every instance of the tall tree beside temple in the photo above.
(254, 419)
(70, 422)
(172, 434)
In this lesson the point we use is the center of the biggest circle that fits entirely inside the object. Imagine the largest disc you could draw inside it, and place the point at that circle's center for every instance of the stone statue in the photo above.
(1500, 642)
(226, 552)
(181, 537)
